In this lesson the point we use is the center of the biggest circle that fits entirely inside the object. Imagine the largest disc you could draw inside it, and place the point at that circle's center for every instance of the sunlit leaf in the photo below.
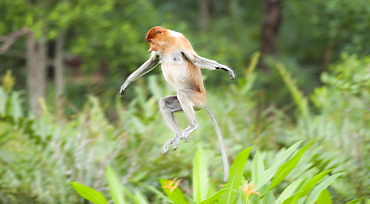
(115, 187)
(323, 185)
(177, 196)
(287, 167)
(200, 176)
(324, 197)
(236, 175)
(89, 193)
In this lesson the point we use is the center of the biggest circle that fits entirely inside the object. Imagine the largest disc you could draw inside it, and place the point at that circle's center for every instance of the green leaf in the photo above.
(291, 200)
(311, 183)
(291, 189)
(3, 99)
(236, 175)
(212, 199)
(324, 197)
(177, 196)
(155, 191)
(287, 167)
(270, 172)
(257, 167)
(355, 201)
(323, 185)
(15, 107)
(307, 187)
(200, 176)
(89, 193)
(115, 187)
(140, 197)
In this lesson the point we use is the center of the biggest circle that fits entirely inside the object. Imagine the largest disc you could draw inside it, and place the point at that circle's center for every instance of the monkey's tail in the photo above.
(221, 143)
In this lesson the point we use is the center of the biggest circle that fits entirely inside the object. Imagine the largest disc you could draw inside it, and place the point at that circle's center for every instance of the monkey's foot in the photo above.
(185, 136)
(174, 141)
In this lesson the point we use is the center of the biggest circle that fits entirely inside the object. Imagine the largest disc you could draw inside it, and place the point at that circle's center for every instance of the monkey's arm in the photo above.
(206, 63)
(143, 69)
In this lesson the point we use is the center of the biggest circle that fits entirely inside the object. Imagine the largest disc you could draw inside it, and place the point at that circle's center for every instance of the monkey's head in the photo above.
(160, 38)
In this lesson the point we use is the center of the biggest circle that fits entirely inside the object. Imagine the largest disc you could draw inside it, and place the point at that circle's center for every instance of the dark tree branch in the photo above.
(9, 39)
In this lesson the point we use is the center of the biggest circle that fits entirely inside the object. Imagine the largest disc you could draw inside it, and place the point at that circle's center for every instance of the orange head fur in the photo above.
(155, 35)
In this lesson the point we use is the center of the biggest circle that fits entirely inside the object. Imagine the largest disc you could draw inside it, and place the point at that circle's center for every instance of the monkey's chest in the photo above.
(177, 71)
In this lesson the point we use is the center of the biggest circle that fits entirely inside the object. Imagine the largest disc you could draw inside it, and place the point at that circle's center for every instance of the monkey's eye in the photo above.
(159, 32)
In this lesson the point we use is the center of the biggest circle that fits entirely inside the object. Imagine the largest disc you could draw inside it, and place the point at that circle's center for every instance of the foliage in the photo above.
(307, 190)
(8, 81)
(40, 156)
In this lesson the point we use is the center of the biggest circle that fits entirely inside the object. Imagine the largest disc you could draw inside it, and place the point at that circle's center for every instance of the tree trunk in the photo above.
(204, 14)
(32, 73)
(36, 63)
(42, 63)
(36, 71)
(270, 27)
(59, 70)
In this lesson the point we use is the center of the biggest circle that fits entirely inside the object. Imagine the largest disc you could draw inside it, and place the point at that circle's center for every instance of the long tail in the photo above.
(221, 143)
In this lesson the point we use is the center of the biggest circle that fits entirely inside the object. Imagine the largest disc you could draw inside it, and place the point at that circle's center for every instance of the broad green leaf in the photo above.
(268, 199)
(307, 187)
(236, 175)
(291, 200)
(115, 187)
(200, 176)
(311, 183)
(257, 167)
(323, 185)
(89, 193)
(177, 196)
(324, 197)
(212, 199)
(291, 189)
(270, 172)
(287, 167)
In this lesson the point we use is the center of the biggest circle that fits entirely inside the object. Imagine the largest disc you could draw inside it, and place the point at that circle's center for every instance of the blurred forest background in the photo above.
(62, 63)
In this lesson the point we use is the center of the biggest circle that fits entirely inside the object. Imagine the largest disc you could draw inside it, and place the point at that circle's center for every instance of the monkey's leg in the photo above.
(169, 105)
(190, 99)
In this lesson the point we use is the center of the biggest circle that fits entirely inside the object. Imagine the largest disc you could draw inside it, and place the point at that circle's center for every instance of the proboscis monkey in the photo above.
(181, 69)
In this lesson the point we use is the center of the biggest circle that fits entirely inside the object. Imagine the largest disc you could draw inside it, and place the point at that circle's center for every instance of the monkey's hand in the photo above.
(122, 90)
(225, 68)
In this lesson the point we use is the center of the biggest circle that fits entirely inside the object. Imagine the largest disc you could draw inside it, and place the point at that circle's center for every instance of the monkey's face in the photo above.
(157, 38)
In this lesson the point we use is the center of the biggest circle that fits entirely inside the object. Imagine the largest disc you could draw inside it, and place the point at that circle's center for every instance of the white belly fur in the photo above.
(175, 71)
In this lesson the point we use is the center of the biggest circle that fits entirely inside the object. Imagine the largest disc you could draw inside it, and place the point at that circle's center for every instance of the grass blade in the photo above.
(200, 176)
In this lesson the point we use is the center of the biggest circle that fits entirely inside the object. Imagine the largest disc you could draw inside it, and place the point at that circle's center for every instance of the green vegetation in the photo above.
(41, 156)
(296, 123)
